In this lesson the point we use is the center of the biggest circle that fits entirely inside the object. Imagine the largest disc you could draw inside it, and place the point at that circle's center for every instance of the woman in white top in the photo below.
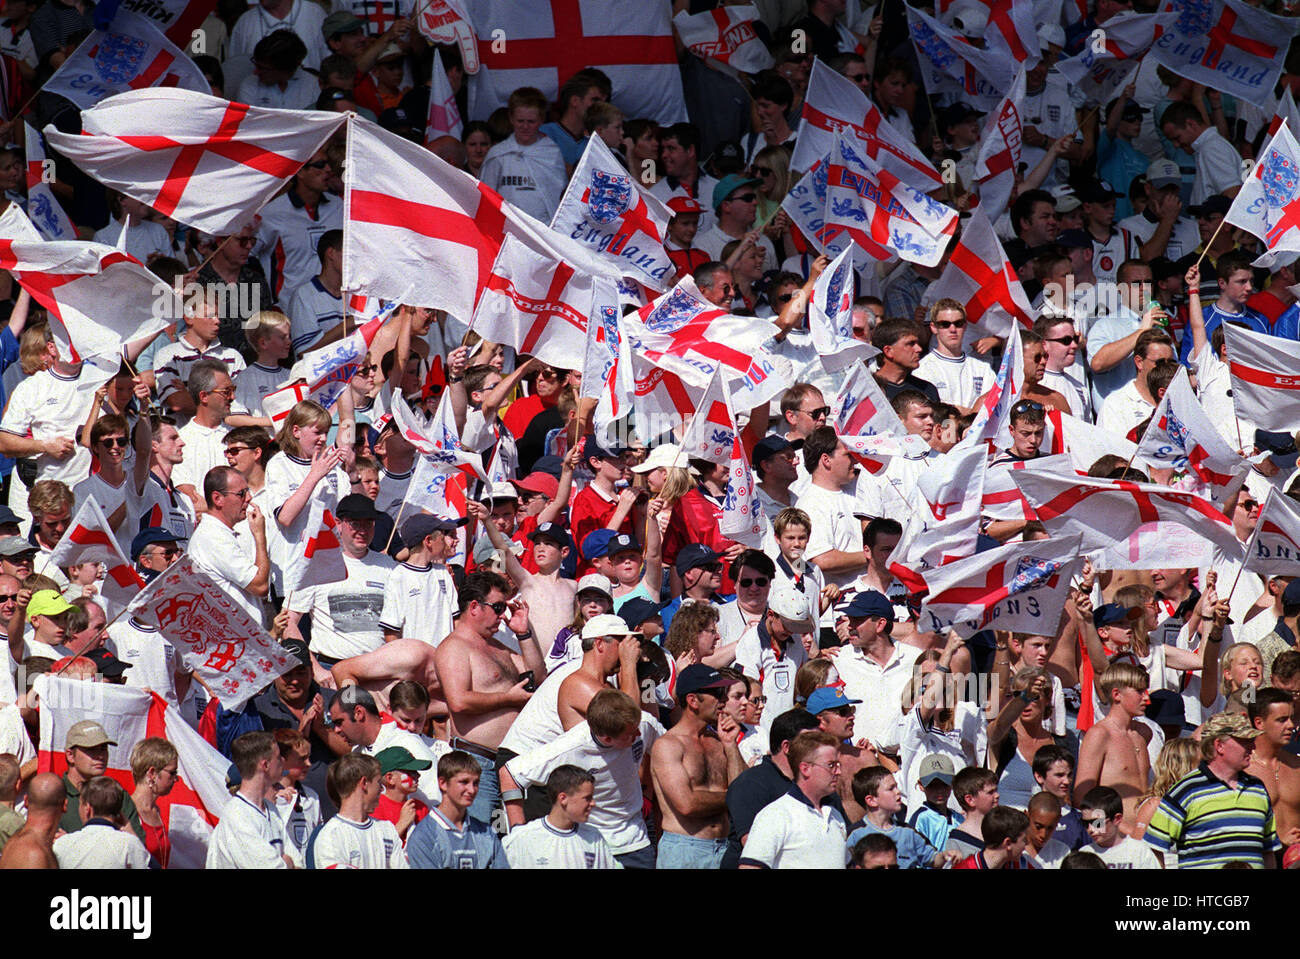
(305, 470)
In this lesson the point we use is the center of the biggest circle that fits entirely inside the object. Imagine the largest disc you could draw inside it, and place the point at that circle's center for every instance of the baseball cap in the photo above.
(1096, 191)
(1130, 110)
(537, 482)
(698, 676)
(396, 758)
(1216, 204)
(552, 531)
(341, 21)
(727, 158)
(828, 697)
(596, 543)
(1291, 595)
(1066, 201)
(935, 766)
(415, 529)
(1229, 724)
(7, 516)
(621, 543)
(591, 447)
(791, 605)
(956, 113)
(1162, 173)
(684, 204)
(595, 581)
(298, 650)
(357, 506)
(500, 491)
(106, 663)
(1162, 268)
(150, 535)
(636, 611)
(11, 546)
(769, 446)
(870, 603)
(1074, 240)
(47, 602)
(666, 455)
(970, 19)
(1280, 447)
(694, 554)
(1112, 613)
(606, 624)
(728, 185)
(1166, 708)
(548, 466)
(391, 51)
(87, 734)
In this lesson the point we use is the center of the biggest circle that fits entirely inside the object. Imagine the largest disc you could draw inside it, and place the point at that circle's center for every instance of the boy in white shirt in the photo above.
(527, 167)
(420, 598)
(562, 840)
(352, 839)
(267, 331)
(1102, 810)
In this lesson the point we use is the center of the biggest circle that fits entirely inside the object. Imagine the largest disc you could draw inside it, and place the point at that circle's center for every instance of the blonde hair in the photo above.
(31, 347)
(1119, 675)
(1229, 661)
(678, 481)
(49, 496)
(1177, 758)
(152, 753)
(306, 413)
(791, 516)
(777, 159)
(257, 326)
(1136, 596)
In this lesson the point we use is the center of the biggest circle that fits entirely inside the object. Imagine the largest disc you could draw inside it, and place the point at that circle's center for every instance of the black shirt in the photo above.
(910, 382)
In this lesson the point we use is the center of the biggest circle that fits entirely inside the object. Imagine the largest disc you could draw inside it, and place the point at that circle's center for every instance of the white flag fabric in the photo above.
(1225, 44)
(952, 66)
(1265, 374)
(834, 103)
(945, 524)
(993, 412)
(1286, 112)
(1182, 437)
(1011, 31)
(317, 559)
(743, 519)
(1101, 73)
(328, 370)
(447, 22)
(883, 215)
(1268, 204)
(211, 632)
(711, 433)
(73, 280)
(439, 442)
(191, 810)
(860, 407)
(1002, 499)
(47, 214)
(607, 368)
(278, 403)
(805, 204)
(444, 115)
(874, 451)
(132, 54)
(725, 36)
(980, 277)
(830, 317)
(1021, 587)
(999, 151)
(1274, 550)
(89, 539)
(1084, 442)
(201, 160)
(605, 210)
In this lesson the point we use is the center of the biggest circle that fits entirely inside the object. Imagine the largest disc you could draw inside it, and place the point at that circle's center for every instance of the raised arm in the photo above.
(1195, 318)
(551, 513)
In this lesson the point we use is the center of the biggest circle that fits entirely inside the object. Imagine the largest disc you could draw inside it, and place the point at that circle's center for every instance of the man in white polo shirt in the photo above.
(875, 669)
(835, 540)
(238, 561)
(772, 650)
(801, 830)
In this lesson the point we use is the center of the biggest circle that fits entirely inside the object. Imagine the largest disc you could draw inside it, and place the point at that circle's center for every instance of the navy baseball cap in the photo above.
(592, 448)
(8, 516)
(415, 529)
(553, 531)
(1166, 708)
(150, 535)
(1113, 613)
(1074, 240)
(1096, 191)
(596, 543)
(637, 611)
(770, 446)
(622, 543)
(298, 649)
(872, 604)
(828, 697)
(357, 506)
(106, 663)
(1291, 595)
(551, 465)
(1213, 204)
(1280, 447)
(698, 677)
(695, 554)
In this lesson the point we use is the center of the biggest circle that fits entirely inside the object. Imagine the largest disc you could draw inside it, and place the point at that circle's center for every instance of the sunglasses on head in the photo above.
(948, 324)
(1025, 406)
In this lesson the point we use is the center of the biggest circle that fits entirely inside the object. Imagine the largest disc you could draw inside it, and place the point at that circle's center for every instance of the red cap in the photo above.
(684, 204)
(543, 483)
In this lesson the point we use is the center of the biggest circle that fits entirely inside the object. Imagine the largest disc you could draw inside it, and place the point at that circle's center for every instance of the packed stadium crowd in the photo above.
(664, 434)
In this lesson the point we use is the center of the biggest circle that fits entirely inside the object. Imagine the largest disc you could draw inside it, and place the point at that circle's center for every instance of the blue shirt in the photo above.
(8, 356)
(914, 851)
(435, 844)
(935, 824)
(1288, 324)
(570, 148)
(1118, 163)
(1215, 317)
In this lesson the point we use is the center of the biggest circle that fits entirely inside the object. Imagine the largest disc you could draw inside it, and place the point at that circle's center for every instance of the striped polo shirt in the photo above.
(1211, 824)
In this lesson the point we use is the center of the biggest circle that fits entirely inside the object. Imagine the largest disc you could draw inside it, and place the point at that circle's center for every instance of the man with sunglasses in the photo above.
(212, 392)
(122, 498)
(1064, 373)
(753, 572)
(236, 559)
(293, 225)
(959, 378)
(735, 200)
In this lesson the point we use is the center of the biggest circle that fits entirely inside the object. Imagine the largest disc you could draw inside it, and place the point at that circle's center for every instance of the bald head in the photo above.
(450, 149)
(1045, 802)
(45, 793)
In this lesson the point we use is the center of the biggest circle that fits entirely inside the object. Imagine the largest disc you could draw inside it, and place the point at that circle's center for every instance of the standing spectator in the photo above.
(679, 147)
(527, 168)
(563, 840)
(100, 843)
(155, 765)
(801, 830)
(237, 560)
(250, 835)
(579, 93)
(1218, 164)
(353, 839)
(449, 837)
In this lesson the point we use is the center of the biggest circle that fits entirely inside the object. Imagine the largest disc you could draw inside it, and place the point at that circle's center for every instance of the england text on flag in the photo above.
(1265, 378)
(1274, 550)
(726, 36)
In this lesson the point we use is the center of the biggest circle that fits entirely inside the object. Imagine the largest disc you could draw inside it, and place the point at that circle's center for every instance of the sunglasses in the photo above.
(116, 442)
(367, 369)
(759, 581)
(745, 197)
(948, 324)
(1250, 505)
(785, 298)
(819, 413)
(165, 552)
(8, 597)
(762, 171)
(549, 374)
(762, 700)
(236, 450)
(1026, 405)
(1065, 340)
(318, 165)
(246, 240)
(498, 608)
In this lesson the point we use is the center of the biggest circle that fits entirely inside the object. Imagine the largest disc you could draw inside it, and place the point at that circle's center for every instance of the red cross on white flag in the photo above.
(46, 212)
(1268, 203)
(860, 407)
(999, 151)
(979, 276)
(946, 525)
(711, 433)
(830, 316)
(89, 539)
(317, 559)
(726, 36)
(1101, 73)
(1265, 378)
(444, 114)
(201, 160)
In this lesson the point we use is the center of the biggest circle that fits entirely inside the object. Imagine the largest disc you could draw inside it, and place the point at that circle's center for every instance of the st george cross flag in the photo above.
(805, 204)
(318, 558)
(1181, 436)
(834, 103)
(43, 207)
(440, 442)
(999, 151)
(1101, 73)
(447, 22)
(1002, 499)
(630, 40)
(951, 65)
(191, 810)
(1268, 204)
(1021, 587)
(211, 632)
(278, 403)
(1084, 442)
(207, 162)
(726, 36)
(874, 451)
(328, 370)
(979, 276)
(860, 407)
(1105, 512)
(607, 368)
(945, 524)
(73, 280)
(1011, 31)
(993, 410)
(830, 317)
(605, 210)
(89, 539)
(1286, 112)
(1265, 374)
(1227, 45)
(711, 433)
(131, 55)
(444, 114)
(1274, 549)
(743, 519)
(883, 215)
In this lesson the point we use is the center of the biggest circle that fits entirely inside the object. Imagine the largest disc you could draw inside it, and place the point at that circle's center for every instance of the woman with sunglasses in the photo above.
(771, 169)
(744, 258)
(122, 498)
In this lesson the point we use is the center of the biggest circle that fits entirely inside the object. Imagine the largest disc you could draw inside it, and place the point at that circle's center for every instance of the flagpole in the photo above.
(392, 532)
(1213, 236)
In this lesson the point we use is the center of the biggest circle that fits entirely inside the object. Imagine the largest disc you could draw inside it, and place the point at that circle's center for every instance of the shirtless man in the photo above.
(1114, 751)
(608, 647)
(691, 767)
(1272, 712)
(482, 679)
(32, 847)
(548, 594)
(379, 670)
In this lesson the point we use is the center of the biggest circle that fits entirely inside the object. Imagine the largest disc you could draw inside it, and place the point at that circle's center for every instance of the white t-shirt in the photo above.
(960, 380)
(419, 603)
(1218, 165)
(143, 239)
(313, 312)
(1124, 409)
(341, 843)
(300, 816)
(531, 177)
(284, 474)
(834, 527)
(14, 739)
(174, 361)
(1183, 239)
(789, 833)
(1128, 853)
(539, 721)
(49, 405)
(152, 658)
(881, 690)
(100, 845)
(345, 615)
(299, 93)
(110, 497)
(392, 490)
(539, 845)
(247, 837)
(252, 385)
(713, 241)
(230, 557)
(204, 450)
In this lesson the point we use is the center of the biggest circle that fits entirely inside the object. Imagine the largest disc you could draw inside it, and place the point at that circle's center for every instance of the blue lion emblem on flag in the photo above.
(1176, 429)
(1280, 178)
(1195, 17)
(42, 212)
(1033, 572)
(609, 323)
(118, 56)
(722, 437)
(610, 196)
(819, 181)
(673, 314)
(933, 47)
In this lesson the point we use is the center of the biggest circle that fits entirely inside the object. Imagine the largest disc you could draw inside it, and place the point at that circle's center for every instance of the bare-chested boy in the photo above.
(32, 847)
(608, 647)
(1114, 751)
(1273, 713)
(691, 766)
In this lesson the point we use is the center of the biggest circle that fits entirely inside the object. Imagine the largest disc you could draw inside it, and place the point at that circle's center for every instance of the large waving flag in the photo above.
(1286, 112)
(999, 151)
(946, 526)
(1021, 587)
(860, 407)
(980, 277)
(439, 443)
(883, 215)
(1227, 45)
(318, 559)
(191, 810)
(444, 115)
(834, 103)
(1102, 73)
(1268, 204)
(1084, 442)
(328, 370)
(951, 65)
(830, 317)
(1265, 374)
(43, 207)
(89, 539)
(1274, 549)
(725, 36)
(805, 204)
(993, 411)
(607, 368)
(204, 161)
(711, 433)
(605, 210)
(132, 54)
